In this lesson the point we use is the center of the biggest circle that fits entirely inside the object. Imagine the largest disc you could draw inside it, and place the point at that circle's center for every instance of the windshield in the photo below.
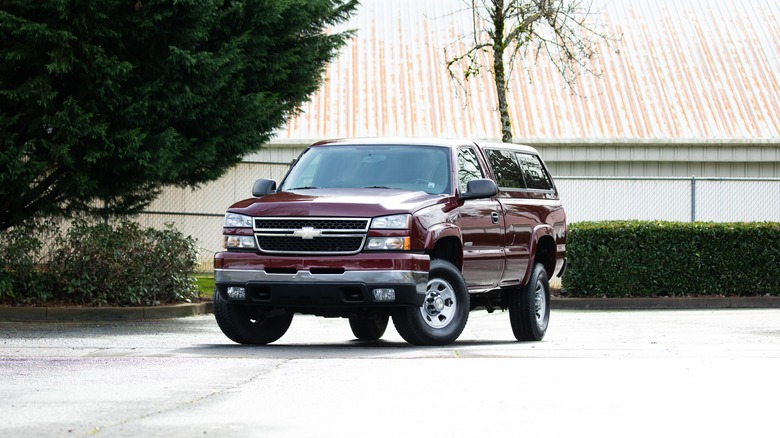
(417, 168)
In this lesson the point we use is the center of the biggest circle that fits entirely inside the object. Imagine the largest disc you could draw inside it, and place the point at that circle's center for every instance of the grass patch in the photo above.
(205, 284)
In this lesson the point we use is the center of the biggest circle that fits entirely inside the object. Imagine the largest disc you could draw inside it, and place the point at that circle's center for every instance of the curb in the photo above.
(36, 314)
(31, 314)
(665, 303)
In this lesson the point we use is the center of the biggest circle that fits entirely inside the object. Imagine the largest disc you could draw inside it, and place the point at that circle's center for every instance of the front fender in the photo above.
(440, 231)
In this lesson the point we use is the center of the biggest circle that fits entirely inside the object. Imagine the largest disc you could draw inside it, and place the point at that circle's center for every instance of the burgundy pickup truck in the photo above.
(421, 231)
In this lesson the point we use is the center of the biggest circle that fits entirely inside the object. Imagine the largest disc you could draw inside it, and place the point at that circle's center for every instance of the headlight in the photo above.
(394, 222)
(233, 220)
(239, 242)
(387, 243)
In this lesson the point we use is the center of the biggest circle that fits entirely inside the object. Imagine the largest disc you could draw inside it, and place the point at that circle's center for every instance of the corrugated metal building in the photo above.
(693, 91)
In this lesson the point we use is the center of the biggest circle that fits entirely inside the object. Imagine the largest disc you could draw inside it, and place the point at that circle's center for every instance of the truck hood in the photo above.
(337, 203)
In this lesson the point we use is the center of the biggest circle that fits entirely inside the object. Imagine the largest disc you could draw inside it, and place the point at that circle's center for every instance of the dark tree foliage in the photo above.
(104, 102)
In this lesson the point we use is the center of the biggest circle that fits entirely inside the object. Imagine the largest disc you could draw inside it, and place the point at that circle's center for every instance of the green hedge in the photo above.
(643, 259)
(96, 264)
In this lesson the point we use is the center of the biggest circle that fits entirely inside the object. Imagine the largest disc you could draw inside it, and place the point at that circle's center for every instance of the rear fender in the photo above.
(536, 236)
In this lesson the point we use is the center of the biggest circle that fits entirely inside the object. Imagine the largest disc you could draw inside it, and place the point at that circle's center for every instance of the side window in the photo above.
(468, 167)
(506, 168)
(533, 172)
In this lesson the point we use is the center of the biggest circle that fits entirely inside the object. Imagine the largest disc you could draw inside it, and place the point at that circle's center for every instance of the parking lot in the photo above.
(597, 373)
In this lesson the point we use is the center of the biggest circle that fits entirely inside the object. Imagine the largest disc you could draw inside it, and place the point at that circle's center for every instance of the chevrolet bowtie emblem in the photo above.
(307, 233)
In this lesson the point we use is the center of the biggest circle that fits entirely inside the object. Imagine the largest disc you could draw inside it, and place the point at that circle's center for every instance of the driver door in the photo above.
(481, 224)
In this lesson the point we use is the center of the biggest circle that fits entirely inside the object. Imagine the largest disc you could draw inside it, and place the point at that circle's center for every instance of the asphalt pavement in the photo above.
(85, 313)
(597, 373)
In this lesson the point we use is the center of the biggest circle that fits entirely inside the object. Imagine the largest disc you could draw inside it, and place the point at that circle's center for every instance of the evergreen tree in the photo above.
(104, 102)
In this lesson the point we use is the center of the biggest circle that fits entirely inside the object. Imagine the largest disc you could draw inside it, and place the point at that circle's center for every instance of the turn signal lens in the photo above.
(239, 242)
(388, 243)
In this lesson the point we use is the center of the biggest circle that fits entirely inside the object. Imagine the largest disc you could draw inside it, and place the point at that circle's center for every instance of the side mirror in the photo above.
(263, 187)
(479, 189)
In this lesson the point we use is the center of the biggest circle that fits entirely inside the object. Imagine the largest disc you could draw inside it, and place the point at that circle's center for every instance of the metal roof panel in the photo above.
(687, 70)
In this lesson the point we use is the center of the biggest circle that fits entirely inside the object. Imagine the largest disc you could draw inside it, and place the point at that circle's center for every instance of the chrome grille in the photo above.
(317, 224)
(310, 235)
(317, 244)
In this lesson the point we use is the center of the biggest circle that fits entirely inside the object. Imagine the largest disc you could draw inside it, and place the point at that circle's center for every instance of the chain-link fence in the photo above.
(670, 198)
(199, 213)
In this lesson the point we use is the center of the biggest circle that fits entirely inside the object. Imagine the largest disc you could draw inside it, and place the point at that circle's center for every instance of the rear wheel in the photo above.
(529, 311)
(443, 315)
(369, 329)
(250, 324)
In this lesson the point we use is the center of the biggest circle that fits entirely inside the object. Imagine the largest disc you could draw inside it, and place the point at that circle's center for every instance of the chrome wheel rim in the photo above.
(440, 304)
(540, 305)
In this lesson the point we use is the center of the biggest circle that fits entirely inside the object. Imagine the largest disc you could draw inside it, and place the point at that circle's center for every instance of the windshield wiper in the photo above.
(302, 188)
(381, 187)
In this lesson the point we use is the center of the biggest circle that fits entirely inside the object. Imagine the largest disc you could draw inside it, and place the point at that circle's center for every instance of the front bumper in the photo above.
(303, 284)
(304, 289)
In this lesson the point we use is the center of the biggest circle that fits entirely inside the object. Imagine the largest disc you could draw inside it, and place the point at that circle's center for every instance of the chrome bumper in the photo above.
(417, 278)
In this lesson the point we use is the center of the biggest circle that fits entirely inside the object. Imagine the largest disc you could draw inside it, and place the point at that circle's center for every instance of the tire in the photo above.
(250, 324)
(529, 310)
(368, 329)
(443, 315)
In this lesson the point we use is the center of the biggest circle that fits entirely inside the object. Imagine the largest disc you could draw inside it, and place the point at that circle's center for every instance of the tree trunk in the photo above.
(498, 70)
(503, 107)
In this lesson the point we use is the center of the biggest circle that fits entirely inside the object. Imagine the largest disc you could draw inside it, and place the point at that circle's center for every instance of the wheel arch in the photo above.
(445, 243)
(544, 249)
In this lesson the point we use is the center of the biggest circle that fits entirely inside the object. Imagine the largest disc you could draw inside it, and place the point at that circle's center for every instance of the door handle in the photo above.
(494, 217)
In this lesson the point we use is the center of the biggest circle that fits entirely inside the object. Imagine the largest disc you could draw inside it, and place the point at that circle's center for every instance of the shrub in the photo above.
(22, 256)
(100, 265)
(639, 259)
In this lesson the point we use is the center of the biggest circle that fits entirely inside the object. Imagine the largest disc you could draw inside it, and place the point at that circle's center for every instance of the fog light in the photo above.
(236, 293)
(384, 294)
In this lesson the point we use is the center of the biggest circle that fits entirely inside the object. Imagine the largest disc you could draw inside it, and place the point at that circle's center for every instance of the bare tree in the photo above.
(567, 32)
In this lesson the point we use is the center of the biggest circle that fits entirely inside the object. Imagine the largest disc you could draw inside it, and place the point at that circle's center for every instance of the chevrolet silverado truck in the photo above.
(420, 231)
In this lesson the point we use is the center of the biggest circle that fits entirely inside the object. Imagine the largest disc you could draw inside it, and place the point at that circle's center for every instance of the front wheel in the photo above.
(250, 324)
(368, 329)
(529, 310)
(443, 315)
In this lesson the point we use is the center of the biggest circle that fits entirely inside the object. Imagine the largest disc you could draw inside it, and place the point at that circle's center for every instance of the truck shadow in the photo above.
(350, 349)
